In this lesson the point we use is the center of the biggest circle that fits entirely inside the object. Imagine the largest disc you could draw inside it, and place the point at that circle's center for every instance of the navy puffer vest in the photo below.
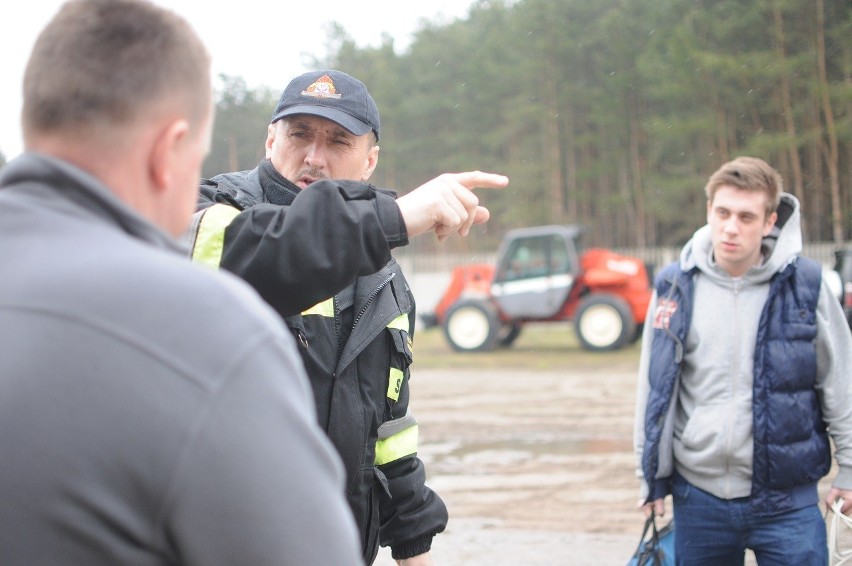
(791, 448)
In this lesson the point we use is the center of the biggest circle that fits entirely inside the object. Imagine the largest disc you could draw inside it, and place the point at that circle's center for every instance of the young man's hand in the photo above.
(658, 506)
(834, 494)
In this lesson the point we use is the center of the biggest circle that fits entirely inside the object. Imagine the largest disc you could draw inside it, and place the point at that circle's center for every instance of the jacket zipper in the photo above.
(370, 298)
(337, 324)
(361, 312)
(735, 378)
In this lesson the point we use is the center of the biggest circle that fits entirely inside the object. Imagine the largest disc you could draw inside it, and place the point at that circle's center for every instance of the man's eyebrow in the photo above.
(740, 213)
(336, 131)
(340, 132)
(301, 124)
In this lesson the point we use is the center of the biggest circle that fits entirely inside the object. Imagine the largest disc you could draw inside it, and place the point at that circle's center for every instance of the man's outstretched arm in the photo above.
(336, 231)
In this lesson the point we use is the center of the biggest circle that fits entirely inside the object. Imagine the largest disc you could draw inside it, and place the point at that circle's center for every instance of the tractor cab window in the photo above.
(560, 259)
(537, 256)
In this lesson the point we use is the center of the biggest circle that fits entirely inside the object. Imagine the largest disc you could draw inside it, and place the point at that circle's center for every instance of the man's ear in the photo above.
(372, 161)
(770, 223)
(270, 139)
(164, 151)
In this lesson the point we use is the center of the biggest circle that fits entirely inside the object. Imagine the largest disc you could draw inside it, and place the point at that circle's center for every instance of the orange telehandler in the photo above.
(542, 275)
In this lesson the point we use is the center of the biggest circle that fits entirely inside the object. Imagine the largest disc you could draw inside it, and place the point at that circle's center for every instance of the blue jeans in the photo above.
(716, 532)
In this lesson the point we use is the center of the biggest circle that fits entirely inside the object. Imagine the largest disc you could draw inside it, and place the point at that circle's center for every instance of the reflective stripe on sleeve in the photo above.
(210, 239)
(325, 308)
(401, 444)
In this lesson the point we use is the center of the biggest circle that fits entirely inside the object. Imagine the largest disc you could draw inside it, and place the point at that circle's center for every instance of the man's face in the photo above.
(306, 148)
(738, 222)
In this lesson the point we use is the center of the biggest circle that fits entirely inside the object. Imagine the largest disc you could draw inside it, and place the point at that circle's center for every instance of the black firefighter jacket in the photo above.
(297, 248)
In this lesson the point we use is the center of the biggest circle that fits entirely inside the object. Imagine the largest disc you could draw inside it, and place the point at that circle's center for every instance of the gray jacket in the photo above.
(127, 435)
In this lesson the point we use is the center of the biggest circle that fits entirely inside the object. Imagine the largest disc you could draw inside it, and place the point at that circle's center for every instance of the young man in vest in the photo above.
(304, 225)
(746, 368)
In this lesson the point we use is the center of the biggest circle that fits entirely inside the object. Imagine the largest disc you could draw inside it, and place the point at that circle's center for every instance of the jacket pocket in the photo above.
(701, 444)
(799, 324)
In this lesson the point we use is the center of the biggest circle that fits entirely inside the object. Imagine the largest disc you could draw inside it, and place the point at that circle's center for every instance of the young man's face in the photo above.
(738, 222)
(306, 148)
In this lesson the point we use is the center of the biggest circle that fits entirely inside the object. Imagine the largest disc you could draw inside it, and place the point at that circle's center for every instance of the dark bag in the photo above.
(658, 550)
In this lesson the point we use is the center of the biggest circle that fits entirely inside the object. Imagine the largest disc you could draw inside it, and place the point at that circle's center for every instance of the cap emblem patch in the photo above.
(322, 88)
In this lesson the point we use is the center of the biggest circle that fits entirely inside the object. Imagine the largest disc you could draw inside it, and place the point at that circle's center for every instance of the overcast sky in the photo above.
(259, 40)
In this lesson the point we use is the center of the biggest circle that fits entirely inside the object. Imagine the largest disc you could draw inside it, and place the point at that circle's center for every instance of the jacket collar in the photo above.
(276, 188)
(59, 181)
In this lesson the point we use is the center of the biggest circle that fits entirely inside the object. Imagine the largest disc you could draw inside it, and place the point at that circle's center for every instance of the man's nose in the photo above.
(732, 225)
(315, 156)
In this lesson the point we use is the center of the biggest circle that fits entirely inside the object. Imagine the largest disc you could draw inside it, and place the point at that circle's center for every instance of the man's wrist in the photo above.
(390, 217)
(843, 480)
(413, 547)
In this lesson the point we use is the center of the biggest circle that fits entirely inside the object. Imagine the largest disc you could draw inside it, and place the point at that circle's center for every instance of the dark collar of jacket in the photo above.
(276, 189)
(245, 189)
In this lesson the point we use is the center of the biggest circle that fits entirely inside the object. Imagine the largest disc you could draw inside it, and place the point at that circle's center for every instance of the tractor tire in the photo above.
(472, 326)
(604, 323)
(509, 333)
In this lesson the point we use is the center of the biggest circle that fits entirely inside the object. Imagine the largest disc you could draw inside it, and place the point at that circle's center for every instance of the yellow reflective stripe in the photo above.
(210, 239)
(395, 383)
(397, 446)
(396, 375)
(400, 322)
(325, 308)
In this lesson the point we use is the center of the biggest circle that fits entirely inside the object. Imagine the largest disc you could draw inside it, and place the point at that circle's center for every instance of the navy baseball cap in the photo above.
(333, 95)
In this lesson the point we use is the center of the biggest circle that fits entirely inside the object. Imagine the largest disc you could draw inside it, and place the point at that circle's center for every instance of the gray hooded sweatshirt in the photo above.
(711, 423)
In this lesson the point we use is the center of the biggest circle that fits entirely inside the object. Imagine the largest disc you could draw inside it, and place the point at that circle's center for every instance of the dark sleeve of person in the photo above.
(299, 255)
(414, 514)
(411, 513)
(206, 194)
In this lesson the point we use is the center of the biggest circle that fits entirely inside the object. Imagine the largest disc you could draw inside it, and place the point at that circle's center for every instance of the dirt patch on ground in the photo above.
(535, 466)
